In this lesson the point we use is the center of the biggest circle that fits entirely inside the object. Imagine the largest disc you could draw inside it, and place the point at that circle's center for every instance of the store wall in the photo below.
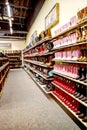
(15, 45)
(68, 8)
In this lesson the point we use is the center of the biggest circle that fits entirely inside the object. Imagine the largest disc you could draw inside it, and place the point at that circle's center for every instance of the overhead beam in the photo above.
(14, 16)
(16, 6)
(12, 37)
(12, 22)
(14, 31)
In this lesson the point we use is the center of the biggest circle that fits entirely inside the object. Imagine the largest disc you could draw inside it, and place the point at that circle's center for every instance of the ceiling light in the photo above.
(11, 30)
(8, 10)
(10, 22)
(7, 2)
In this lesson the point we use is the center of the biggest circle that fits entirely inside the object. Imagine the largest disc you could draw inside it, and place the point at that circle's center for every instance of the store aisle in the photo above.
(23, 106)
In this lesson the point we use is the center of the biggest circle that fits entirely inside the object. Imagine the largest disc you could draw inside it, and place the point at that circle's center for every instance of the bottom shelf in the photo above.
(3, 81)
(34, 79)
(72, 114)
(13, 67)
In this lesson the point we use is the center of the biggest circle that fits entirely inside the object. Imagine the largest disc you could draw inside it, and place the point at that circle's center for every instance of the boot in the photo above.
(79, 35)
(84, 32)
(84, 119)
(84, 59)
(79, 73)
(77, 93)
(82, 55)
(85, 81)
(83, 74)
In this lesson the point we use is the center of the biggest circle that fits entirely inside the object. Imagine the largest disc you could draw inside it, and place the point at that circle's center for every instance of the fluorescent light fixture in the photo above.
(7, 2)
(10, 23)
(11, 30)
(8, 10)
(9, 16)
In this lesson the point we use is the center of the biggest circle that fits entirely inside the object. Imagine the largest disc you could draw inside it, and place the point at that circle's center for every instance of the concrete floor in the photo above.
(23, 106)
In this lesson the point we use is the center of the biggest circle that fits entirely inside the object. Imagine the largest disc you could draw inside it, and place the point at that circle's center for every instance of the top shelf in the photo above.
(83, 42)
(82, 23)
(37, 44)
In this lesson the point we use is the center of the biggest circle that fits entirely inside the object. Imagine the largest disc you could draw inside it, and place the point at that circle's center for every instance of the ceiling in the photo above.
(23, 14)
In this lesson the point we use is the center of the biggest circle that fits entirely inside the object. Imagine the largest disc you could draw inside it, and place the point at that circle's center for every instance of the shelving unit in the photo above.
(42, 87)
(4, 69)
(71, 29)
(65, 79)
(38, 60)
(70, 78)
(15, 58)
(78, 43)
(37, 44)
(38, 63)
(70, 61)
(66, 60)
(71, 113)
(70, 94)
(39, 73)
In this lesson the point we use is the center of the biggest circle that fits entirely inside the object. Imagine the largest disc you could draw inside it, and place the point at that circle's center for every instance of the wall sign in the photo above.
(5, 46)
(53, 17)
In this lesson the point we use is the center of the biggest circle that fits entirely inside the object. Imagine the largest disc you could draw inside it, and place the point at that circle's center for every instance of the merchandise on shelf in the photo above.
(67, 100)
(64, 72)
(82, 14)
(72, 22)
(4, 69)
(14, 57)
(49, 45)
(49, 87)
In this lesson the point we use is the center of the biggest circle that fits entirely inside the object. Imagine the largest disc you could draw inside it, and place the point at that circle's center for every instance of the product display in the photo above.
(62, 73)
(49, 87)
(70, 68)
(14, 58)
(43, 43)
(49, 45)
(38, 61)
(82, 14)
(4, 69)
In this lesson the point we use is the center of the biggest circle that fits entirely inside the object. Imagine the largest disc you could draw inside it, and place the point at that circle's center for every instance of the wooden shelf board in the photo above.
(70, 61)
(39, 73)
(3, 66)
(37, 44)
(67, 77)
(81, 23)
(84, 124)
(41, 86)
(38, 63)
(71, 45)
(70, 94)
